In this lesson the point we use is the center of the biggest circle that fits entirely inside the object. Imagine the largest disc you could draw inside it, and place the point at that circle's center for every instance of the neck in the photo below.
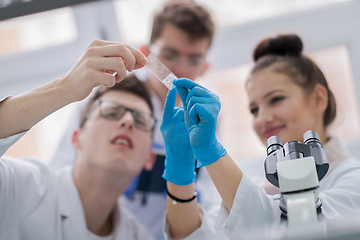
(99, 191)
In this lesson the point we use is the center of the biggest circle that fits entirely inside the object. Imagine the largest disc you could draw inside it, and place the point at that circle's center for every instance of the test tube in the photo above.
(160, 71)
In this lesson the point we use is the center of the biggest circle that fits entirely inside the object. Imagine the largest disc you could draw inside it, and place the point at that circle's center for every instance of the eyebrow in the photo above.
(272, 92)
(193, 55)
(268, 94)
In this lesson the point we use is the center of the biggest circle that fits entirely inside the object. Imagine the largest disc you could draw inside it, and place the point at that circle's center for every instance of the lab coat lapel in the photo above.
(71, 211)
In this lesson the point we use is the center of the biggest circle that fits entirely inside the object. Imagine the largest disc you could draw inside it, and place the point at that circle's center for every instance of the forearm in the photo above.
(96, 67)
(183, 218)
(226, 176)
(20, 113)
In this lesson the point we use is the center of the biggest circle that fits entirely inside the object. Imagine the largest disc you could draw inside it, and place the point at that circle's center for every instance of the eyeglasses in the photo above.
(175, 57)
(113, 111)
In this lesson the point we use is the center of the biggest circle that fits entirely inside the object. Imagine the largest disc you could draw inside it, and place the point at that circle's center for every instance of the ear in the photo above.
(320, 97)
(151, 161)
(145, 50)
(75, 140)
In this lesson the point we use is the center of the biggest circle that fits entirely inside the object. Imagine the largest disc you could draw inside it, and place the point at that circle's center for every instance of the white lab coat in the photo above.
(37, 203)
(252, 208)
(150, 214)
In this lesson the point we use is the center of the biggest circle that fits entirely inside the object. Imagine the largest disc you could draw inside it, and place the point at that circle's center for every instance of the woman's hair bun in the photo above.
(281, 45)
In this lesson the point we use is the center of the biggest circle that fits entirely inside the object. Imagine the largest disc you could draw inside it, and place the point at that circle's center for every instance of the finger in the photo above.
(179, 115)
(170, 103)
(183, 92)
(185, 83)
(139, 56)
(98, 42)
(188, 121)
(133, 58)
(114, 66)
(204, 113)
(119, 76)
(109, 65)
(193, 114)
(116, 51)
(99, 78)
(199, 100)
(198, 91)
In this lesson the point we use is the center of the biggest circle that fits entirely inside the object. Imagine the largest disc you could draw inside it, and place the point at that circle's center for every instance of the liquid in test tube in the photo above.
(160, 71)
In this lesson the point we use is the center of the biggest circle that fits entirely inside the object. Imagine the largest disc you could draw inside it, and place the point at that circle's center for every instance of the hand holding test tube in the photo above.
(160, 71)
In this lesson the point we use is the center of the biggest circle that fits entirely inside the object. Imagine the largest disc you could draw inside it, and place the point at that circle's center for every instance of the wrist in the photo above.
(176, 200)
(181, 191)
(74, 90)
(179, 171)
(179, 177)
(209, 155)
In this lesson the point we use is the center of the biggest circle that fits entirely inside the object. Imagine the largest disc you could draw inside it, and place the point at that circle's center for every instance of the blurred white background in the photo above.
(38, 48)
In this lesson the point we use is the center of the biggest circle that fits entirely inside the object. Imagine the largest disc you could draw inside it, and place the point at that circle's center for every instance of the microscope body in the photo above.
(296, 168)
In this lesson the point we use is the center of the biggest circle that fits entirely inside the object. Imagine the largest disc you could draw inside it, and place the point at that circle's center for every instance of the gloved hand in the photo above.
(179, 155)
(202, 108)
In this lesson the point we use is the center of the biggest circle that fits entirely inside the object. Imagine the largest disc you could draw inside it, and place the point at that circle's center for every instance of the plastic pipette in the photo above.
(160, 71)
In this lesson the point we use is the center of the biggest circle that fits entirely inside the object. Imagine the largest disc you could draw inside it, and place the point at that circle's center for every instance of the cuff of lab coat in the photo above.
(6, 143)
(3, 99)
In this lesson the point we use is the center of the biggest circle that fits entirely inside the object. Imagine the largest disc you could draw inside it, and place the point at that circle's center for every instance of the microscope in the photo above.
(296, 168)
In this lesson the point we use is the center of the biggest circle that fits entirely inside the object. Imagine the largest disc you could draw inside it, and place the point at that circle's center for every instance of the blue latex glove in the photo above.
(203, 108)
(179, 155)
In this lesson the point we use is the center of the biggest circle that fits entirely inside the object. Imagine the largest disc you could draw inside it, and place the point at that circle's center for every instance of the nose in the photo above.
(127, 120)
(264, 117)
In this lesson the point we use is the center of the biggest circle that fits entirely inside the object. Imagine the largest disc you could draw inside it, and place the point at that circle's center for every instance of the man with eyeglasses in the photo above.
(113, 145)
(181, 35)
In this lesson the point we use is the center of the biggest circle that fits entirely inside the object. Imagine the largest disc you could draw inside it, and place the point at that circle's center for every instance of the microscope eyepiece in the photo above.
(273, 143)
(312, 138)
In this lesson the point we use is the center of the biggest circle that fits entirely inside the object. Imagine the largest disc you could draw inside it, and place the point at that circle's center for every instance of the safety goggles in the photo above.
(170, 56)
(113, 111)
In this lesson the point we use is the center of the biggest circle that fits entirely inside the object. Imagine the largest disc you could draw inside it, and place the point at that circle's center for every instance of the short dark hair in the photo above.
(187, 15)
(286, 52)
(130, 84)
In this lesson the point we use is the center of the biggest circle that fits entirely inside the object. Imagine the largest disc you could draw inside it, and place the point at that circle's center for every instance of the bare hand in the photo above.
(104, 63)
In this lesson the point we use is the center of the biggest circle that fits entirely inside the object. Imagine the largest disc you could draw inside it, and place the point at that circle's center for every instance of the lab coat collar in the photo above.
(70, 206)
(336, 152)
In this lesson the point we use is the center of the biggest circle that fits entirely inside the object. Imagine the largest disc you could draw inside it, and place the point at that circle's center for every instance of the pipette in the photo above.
(160, 71)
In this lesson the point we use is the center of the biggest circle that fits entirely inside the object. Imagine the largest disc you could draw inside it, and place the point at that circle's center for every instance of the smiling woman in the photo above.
(288, 95)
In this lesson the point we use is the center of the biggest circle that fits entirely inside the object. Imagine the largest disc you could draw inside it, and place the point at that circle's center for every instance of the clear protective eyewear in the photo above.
(174, 57)
(113, 111)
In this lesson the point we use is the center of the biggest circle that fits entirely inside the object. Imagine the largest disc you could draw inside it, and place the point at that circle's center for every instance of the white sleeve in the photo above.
(340, 191)
(252, 207)
(24, 184)
(6, 143)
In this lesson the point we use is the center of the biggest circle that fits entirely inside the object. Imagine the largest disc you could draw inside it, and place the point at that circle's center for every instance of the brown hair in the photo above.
(187, 15)
(286, 52)
(130, 84)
